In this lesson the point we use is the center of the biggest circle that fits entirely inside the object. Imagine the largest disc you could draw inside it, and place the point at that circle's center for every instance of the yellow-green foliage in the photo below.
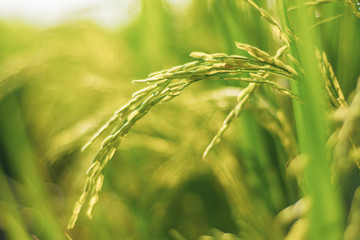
(261, 141)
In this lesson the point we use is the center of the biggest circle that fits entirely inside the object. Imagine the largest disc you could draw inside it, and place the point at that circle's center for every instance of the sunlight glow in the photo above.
(109, 13)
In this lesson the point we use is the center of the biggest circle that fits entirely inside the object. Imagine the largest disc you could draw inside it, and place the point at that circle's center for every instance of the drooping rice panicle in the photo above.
(267, 17)
(262, 80)
(126, 109)
(281, 51)
(242, 99)
(330, 81)
(345, 139)
(265, 57)
(167, 84)
(334, 82)
(256, 79)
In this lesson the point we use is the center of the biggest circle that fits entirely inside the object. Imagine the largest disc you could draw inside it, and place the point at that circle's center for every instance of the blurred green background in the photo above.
(59, 84)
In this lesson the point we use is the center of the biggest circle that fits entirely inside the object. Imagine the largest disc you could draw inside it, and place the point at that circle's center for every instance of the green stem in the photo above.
(325, 216)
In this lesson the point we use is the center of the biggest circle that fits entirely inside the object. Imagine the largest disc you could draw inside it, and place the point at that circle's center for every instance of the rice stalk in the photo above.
(312, 130)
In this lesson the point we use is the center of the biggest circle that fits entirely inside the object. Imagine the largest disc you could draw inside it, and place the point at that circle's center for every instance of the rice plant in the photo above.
(253, 136)
(322, 217)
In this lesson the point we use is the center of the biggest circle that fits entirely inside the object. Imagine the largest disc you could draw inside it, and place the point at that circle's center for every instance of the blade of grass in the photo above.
(21, 160)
